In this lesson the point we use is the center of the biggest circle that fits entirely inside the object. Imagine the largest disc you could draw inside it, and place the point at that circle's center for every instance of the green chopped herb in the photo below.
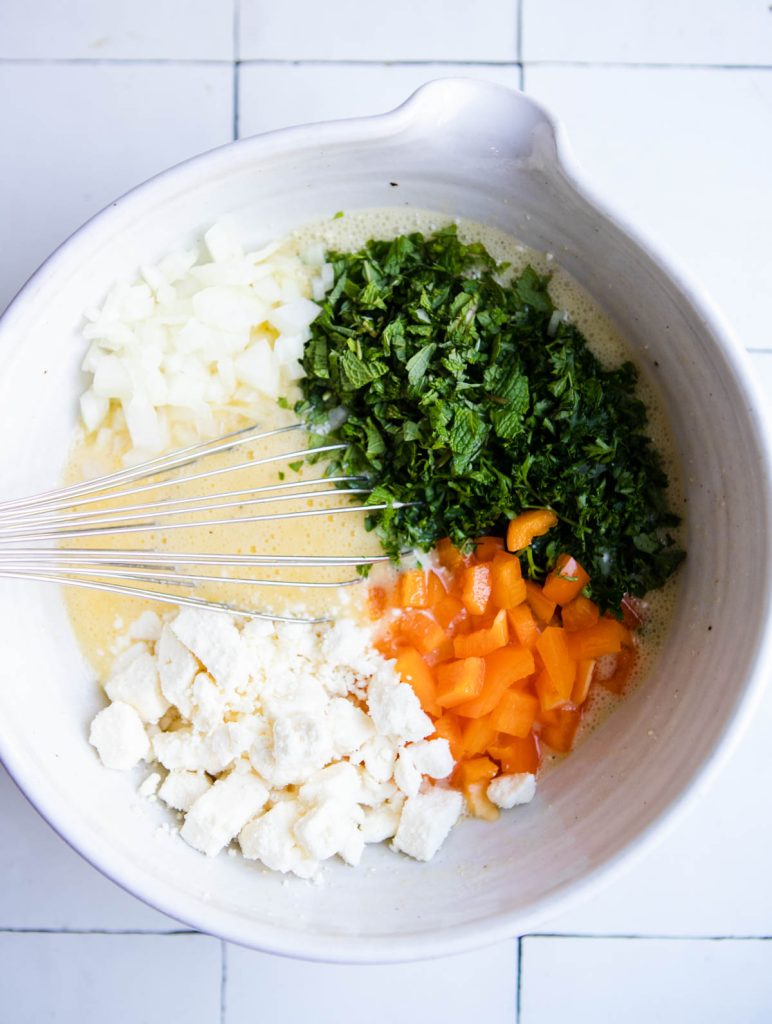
(338, 215)
(466, 401)
(295, 466)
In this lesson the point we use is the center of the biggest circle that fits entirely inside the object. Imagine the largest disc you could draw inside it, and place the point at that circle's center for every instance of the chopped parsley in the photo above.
(467, 397)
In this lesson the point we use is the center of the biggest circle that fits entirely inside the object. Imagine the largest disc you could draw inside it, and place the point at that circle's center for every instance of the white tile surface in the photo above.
(685, 154)
(648, 31)
(592, 981)
(366, 30)
(475, 986)
(131, 979)
(277, 95)
(111, 29)
(45, 884)
(78, 135)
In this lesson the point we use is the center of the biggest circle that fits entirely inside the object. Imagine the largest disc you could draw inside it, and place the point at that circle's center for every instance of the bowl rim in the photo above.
(437, 942)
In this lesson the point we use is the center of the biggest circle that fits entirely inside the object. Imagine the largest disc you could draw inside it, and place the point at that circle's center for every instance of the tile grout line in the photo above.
(236, 72)
(519, 980)
(100, 931)
(223, 980)
(383, 62)
(519, 30)
(645, 938)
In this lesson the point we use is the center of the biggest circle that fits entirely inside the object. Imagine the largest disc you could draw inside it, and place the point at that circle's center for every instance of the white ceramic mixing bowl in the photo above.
(483, 152)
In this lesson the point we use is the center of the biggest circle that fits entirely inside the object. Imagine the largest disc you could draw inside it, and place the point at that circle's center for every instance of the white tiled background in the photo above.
(669, 106)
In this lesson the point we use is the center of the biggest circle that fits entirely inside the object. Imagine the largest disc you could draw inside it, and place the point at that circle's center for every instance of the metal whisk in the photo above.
(31, 529)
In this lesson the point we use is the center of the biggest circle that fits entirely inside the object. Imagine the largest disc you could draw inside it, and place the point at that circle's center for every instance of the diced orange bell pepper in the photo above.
(487, 547)
(483, 641)
(549, 693)
(459, 681)
(554, 653)
(523, 528)
(523, 625)
(449, 612)
(517, 754)
(413, 670)
(377, 600)
(435, 589)
(413, 589)
(478, 734)
(515, 713)
(625, 663)
(422, 631)
(503, 668)
(565, 581)
(507, 584)
(478, 803)
(540, 605)
(476, 588)
(449, 727)
(509, 664)
(581, 687)
(449, 555)
(562, 735)
(607, 636)
(476, 769)
(579, 614)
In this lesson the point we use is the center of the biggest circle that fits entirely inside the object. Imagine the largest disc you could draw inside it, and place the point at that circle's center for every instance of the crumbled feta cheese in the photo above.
(378, 755)
(508, 791)
(146, 627)
(119, 736)
(327, 828)
(209, 703)
(216, 642)
(181, 789)
(349, 725)
(380, 823)
(176, 669)
(149, 787)
(426, 821)
(339, 782)
(270, 839)
(433, 758)
(302, 744)
(221, 813)
(137, 684)
(406, 775)
(396, 710)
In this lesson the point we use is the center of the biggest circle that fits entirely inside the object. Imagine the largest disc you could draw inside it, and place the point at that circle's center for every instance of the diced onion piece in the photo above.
(93, 409)
(222, 243)
(259, 367)
(142, 421)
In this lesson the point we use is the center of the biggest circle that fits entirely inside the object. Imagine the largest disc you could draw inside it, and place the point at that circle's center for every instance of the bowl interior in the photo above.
(464, 150)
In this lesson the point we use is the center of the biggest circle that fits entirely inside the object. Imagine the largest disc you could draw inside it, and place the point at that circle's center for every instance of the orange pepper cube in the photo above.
(581, 687)
(515, 713)
(523, 528)
(449, 612)
(486, 548)
(565, 581)
(413, 670)
(607, 636)
(422, 632)
(478, 735)
(579, 614)
(517, 754)
(413, 589)
(549, 693)
(523, 625)
(540, 605)
(449, 555)
(553, 651)
(477, 769)
(483, 641)
(459, 681)
(562, 735)
(476, 588)
(507, 585)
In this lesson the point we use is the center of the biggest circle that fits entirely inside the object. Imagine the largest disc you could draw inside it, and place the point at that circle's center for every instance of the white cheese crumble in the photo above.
(507, 791)
(299, 741)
